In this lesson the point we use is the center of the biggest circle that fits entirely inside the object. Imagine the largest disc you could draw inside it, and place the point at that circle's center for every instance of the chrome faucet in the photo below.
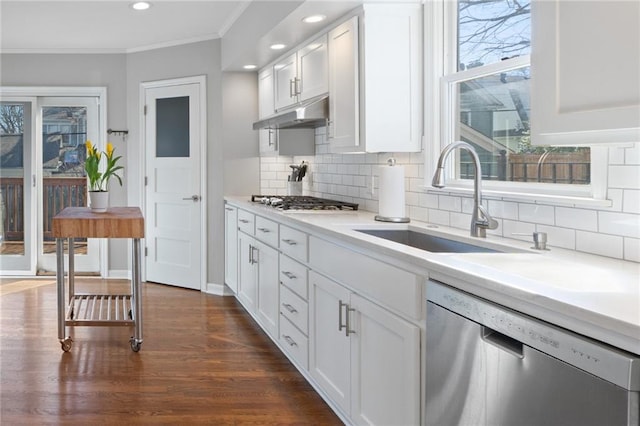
(480, 218)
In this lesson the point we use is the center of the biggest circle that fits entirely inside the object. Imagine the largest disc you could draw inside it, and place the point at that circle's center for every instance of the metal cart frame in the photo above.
(98, 309)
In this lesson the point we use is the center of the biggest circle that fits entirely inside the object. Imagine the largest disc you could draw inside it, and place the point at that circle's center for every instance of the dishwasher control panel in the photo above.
(614, 365)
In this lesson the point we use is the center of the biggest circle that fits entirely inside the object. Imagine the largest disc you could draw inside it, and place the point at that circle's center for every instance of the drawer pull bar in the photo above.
(290, 308)
(289, 275)
(265, 230)
(289, 340)
(243, 220)
(290, 242)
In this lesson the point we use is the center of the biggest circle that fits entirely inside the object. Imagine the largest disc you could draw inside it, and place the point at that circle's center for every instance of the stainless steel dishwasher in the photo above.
(489, 365)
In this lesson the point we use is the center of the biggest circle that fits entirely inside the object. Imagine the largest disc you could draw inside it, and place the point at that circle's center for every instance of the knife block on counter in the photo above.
(294, 188)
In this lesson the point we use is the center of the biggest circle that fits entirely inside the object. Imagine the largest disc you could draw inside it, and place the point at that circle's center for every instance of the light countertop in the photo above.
(591, 295)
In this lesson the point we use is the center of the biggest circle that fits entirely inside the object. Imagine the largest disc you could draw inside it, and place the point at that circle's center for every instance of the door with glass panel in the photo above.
(173, 198)
(42, 172)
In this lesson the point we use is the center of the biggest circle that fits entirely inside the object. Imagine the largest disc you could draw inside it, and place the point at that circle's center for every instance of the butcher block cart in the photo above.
(98, 309)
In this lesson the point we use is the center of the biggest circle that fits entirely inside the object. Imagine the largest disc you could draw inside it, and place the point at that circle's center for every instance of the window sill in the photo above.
(548, 199)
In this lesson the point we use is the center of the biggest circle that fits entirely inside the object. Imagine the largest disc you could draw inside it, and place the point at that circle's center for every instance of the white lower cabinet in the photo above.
(366, 359)
(231, 247)
(258, 281)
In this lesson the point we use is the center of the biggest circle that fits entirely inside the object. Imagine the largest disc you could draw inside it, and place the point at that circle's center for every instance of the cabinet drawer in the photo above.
(246, 221)
(267, 231)
(294, 276)
(294, 343)
(293, 243)
(295, 309)
(390, 286)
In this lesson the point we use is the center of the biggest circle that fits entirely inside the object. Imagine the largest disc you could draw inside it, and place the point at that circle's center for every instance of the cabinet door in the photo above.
(313, 69)
(285, 72)
(329, 356)
(584, 72)
(343, 131)
(247, 272)
(268, 137)
(268, 287)
(231, 248)
(385, 361)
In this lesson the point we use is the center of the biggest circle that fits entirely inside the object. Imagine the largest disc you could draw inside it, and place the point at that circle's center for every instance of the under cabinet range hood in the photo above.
(307, 115)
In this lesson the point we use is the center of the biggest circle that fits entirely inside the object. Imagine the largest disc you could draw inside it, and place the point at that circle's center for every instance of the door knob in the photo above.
(193, 198)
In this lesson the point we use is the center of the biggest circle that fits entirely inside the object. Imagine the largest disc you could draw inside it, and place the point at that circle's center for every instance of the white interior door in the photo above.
(174, 137)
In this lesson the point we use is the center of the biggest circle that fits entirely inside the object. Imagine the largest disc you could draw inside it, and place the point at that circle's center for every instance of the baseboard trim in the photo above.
(218, 290)
(122, 274)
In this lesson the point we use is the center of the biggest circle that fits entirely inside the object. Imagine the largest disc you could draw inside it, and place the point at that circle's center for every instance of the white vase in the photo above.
(99, 201)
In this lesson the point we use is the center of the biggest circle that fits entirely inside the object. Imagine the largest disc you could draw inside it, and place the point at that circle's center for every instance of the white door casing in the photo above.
(175, 182)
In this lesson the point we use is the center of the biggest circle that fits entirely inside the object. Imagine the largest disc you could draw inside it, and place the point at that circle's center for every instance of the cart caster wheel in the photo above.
(135, 345)
(66, 344)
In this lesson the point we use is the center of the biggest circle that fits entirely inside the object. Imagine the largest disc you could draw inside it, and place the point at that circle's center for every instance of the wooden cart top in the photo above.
(116, 222)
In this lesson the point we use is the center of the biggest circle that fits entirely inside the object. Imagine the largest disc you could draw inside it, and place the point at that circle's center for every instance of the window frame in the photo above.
(441, 77)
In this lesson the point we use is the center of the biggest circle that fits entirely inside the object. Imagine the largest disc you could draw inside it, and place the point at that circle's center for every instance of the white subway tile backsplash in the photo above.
(587, 220)
(625, 225)
(625, 177)
(439, 217)
(610, 231)
(601, 244)
(632, 249)
(536, 213)
(632, 155)
(559, 237)
(453, 204)
(631, 201)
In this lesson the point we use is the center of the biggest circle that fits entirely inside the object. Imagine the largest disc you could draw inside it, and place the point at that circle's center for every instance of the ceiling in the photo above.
(112, 26)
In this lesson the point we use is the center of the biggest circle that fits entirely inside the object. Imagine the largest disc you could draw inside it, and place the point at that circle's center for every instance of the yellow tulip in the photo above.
(109, 149)
(89, 148)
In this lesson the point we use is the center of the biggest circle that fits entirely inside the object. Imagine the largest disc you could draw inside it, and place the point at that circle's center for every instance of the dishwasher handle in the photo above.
(502, 341)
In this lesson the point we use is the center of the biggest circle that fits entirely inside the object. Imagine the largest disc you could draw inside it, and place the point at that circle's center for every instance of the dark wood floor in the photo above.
(203, 361)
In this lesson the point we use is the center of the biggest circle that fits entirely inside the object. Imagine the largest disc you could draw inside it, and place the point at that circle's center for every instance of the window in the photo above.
(485, 94)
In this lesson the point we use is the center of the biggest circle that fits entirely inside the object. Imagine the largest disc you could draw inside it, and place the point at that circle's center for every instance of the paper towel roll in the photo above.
(391, 194)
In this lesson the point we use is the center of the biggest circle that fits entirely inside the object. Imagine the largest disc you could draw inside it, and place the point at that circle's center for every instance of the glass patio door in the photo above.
(65, 125)
(42, 172)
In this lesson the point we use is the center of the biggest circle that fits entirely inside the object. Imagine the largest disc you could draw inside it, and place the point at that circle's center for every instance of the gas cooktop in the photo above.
(302, 202)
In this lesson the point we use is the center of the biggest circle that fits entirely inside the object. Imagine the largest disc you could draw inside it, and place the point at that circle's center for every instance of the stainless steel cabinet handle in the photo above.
(254, 255)
(265, 230)
(289, 340)
(289, 308)
(347, 324)
(297, 86)
(250, 254)
(290, 242)
(340, 305)
(329, 129)
(193, 198)
(229, 209)
(292, 87)
(289, 275)
(272, 137)
(243, 220)
(348, 331)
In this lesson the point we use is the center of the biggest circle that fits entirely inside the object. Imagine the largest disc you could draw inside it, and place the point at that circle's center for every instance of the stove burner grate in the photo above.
(302, 202)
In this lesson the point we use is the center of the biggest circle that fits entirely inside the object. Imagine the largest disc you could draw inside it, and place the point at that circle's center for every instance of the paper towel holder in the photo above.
(391, 162)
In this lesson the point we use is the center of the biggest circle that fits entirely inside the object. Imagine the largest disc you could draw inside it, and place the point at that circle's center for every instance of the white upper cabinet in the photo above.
(585, 70)
(375, 83)
(268, 137)
(301, 75)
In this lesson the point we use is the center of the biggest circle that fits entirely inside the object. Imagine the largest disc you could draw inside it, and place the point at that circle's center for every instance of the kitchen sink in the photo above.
(427, 242)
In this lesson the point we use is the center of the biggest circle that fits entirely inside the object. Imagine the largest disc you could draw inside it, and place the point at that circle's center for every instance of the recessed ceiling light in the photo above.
(249, 67)
(278, 46)
(141, 5)
(313, 19)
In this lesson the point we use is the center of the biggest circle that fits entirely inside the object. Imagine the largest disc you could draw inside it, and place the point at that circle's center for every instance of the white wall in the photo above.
(241, 153)
(122, 75)
(201, 58)
(612, 231)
